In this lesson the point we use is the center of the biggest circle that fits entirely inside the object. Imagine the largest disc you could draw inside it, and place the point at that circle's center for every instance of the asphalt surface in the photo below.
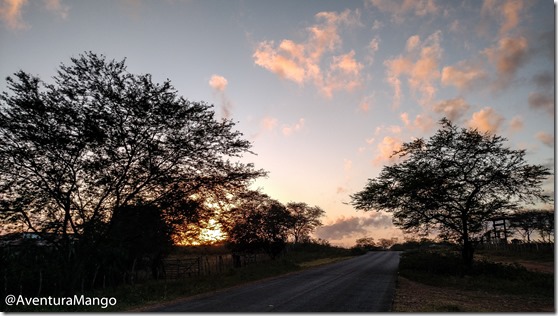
(362, 284)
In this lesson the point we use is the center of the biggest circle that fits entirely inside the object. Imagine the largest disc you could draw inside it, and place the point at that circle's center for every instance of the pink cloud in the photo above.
(344, 74)
(290, 129)
(57, 7)
(507, 12)
(516, 124)
(218, 83)
(545, 138)
(543, 101)
(386, 148)
(301, 62)
(412, 42)
(269, 123)
(507, 56)
(11, 14)
(464, 75)
(272, 60)
(422, 72)
(486, 120)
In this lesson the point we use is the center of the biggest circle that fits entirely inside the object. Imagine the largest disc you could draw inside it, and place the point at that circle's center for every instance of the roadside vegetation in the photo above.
(435, 280)
(142, 296)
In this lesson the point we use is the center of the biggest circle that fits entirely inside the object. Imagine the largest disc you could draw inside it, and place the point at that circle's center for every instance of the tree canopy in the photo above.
(452, 183)
(305, 219)
(257, 223)
(99, 138)
(100, 144)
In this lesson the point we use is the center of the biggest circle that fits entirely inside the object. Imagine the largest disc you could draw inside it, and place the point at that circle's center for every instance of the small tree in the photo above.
(524, 223)
(453, 183)
(305, 219)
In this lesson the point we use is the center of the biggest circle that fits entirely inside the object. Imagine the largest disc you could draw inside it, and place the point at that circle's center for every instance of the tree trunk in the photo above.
(467, 253)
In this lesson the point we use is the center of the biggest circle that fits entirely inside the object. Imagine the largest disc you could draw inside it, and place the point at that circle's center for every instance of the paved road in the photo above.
(361, 284)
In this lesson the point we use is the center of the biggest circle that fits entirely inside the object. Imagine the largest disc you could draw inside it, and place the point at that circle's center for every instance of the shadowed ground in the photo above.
(361, 284)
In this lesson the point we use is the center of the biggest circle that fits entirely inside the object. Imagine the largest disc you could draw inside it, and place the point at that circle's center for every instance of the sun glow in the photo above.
(209, 235)
(212, 234)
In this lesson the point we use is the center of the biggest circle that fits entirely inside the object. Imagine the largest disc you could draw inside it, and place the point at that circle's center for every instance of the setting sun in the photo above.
(212, 234)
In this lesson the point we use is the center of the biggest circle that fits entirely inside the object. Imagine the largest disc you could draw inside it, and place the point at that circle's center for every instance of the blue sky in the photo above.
(325, 90)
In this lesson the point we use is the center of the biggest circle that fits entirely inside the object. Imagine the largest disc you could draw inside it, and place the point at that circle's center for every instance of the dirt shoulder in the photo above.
(411, 296)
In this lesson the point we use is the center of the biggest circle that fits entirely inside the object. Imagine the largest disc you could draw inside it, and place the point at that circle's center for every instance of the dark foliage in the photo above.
(102, 163)
(257, 223)
(452, 183)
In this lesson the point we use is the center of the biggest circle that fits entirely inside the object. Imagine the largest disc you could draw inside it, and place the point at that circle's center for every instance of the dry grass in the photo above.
(413, 296)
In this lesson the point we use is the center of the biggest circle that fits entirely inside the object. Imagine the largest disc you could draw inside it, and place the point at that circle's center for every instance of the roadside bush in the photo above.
(447, 269)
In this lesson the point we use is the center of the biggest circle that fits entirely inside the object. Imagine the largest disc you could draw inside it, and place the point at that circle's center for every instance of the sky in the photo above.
(325, 90)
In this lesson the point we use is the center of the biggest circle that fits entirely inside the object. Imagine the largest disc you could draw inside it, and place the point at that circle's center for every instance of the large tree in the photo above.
(257, 223)
(453, 183)
(100, 138)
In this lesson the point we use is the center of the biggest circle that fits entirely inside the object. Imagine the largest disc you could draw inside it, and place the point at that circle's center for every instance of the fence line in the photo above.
(526, 247)
(182, 267)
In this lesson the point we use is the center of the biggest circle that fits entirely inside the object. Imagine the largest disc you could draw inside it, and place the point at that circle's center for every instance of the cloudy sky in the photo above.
(325, 90)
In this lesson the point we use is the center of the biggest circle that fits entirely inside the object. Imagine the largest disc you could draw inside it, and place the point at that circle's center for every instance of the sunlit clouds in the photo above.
(464, 75)
(11, 11)
(486, 120)
(11, 14)
(289, 129)
(219, 84)
(545, 138)
(420, 65)
(314, 61)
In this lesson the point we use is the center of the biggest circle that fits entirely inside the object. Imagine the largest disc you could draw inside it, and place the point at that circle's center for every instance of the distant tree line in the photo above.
(533, 221)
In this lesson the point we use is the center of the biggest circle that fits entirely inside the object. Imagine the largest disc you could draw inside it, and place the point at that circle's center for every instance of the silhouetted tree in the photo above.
(99, 139)
(305, 219)
(524, 223)
(452, 183)
(545, 225)
(258, 223)
(367, 243)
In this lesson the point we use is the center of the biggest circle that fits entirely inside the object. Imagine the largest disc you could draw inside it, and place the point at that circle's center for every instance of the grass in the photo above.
(487, 286)
(134, 297)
